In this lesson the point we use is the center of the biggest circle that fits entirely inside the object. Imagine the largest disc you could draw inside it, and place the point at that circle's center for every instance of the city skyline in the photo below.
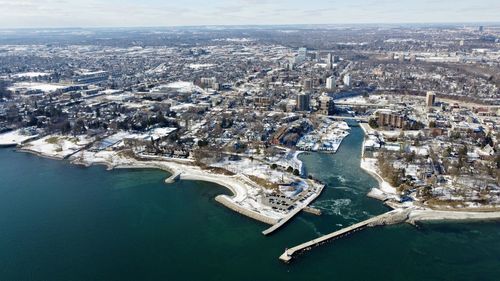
(112, 13)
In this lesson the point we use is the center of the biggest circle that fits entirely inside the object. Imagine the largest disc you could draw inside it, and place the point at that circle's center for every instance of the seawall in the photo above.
(235, 207)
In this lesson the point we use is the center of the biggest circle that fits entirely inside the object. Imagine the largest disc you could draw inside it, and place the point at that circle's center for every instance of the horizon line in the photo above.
(258, 25)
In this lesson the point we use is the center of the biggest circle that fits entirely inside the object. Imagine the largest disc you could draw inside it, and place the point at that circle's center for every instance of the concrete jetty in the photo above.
(312, 210)
(297, 210)
(392, 217)
(281, 222)
(173, 178)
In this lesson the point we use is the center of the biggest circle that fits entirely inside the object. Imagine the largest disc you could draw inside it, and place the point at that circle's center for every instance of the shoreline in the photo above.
(419, 213)
(430, 215)
(36, 153)
(376, 192)
(235, 184)
(239, 192)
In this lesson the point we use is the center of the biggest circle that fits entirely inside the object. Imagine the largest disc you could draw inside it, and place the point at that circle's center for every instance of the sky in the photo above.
(135, 13)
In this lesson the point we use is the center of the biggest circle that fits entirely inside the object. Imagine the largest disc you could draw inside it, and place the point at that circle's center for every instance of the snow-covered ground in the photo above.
(181, 86)
(32, 86)
(369, 165)
(356, 99)
(16, 137)
(384, 190)
(201, 65)
(434, 215)
(254, 168)
(57, 146)
(30, 74)
(288, 159)
(327, 138)
(102, 157)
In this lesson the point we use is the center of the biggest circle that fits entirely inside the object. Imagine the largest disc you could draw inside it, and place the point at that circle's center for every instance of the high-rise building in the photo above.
(329, 58)
(335, 59)
(347, 80)
(430, 99)
(308, 84)
(208, 82)
(302, 55)
(481, 28)
(330, 83)
(326, 105)
(303, 102)
(393, 119)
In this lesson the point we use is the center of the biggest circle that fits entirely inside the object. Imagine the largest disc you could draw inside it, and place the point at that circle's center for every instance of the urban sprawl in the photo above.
(236, 106)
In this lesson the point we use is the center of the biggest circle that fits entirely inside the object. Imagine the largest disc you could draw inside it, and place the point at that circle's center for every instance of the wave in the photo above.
(341, 207)
(341, 179)
(332, 206)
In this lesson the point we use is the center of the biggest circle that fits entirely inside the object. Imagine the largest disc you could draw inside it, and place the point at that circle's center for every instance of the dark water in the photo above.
(64, 222)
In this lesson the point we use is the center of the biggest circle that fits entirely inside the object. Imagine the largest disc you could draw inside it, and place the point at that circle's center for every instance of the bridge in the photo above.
(340, 117)
(361, 104)
(392, 217)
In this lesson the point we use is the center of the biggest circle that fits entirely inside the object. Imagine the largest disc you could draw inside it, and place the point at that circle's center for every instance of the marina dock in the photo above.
(392, 217)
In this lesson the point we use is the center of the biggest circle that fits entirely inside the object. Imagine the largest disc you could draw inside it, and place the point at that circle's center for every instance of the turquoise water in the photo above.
(63, 222)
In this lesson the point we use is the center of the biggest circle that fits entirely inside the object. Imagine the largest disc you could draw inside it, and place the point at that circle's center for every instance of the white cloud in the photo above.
(60, 13)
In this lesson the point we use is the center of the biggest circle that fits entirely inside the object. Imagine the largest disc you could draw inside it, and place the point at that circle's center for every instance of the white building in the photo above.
(347, 80)
(330, 83)
(302, 55)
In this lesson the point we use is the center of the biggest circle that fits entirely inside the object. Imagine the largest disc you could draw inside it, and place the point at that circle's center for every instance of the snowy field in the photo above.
(288, 159)
(30, 74)
(15, 137)
(57, 146)
(201, 65)
(31, 86)
(327, 138)
(255, 168)
(384, 190)
(181, 86)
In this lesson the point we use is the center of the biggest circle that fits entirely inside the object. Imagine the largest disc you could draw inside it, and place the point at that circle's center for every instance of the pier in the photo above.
(312, 210)
(294, 212)
(392, 217)
(173, 178)
(281, 222)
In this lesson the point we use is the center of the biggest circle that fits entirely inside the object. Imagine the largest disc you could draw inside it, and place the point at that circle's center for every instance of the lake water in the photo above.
(64, 222)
